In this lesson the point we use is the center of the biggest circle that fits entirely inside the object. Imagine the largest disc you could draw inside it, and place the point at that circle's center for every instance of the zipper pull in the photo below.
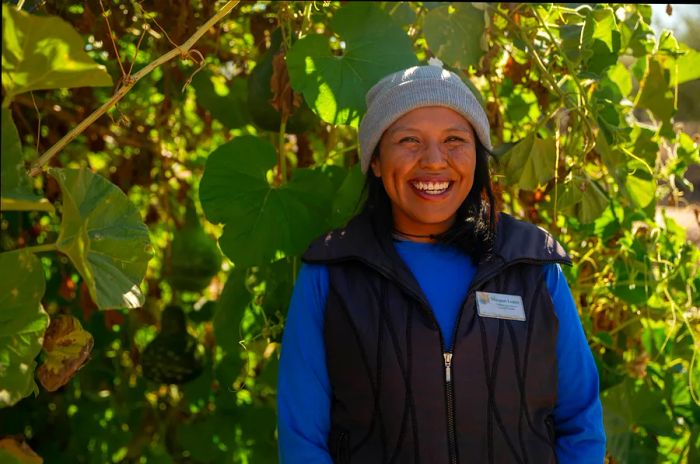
(448, 366)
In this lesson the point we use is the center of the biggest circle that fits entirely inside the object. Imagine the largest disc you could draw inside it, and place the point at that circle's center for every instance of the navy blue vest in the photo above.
(397, 396)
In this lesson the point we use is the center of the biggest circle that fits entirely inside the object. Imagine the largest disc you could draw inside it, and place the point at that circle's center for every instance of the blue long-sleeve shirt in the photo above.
(444, 274)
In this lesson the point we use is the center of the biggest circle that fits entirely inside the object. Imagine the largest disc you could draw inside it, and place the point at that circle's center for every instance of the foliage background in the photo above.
(583, 103)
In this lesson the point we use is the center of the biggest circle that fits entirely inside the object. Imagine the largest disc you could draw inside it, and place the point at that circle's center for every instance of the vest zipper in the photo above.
(447, 355)
(451, 431)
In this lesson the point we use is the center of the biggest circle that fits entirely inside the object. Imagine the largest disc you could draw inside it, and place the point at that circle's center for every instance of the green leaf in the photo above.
(401, 12)
(605, 28)
(16, 187)
(261, 220)
(622, 77)
(230, 308)
(103, 235)
(335, 86)
(687, 150)
(655, 94)
(40, 52)
(629, 405)
(346, 201)
(644, 144)
(574, 43)
(604, 39)
(454, 34)
(225, 100)
(640, 184)
(530, 162)
(583, 198)
(686, 67)
(631, 285)
(22, 323)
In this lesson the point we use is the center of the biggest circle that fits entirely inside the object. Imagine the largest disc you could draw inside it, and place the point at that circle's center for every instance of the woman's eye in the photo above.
(408, 140)
(454, 138)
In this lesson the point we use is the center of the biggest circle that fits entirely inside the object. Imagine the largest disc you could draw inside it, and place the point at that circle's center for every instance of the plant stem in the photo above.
(281, 153)
(127, 85)
(41, 248)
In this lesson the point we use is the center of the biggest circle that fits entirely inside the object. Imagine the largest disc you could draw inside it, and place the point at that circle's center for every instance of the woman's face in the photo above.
(426, 162)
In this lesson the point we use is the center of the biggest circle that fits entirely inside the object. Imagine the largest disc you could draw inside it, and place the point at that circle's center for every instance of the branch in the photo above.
(182, 50)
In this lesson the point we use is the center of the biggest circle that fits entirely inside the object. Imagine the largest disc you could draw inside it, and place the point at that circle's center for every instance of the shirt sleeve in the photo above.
(578, 415)
(303, 390)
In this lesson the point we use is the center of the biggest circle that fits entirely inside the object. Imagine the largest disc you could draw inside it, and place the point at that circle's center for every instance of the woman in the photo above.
(429, 329)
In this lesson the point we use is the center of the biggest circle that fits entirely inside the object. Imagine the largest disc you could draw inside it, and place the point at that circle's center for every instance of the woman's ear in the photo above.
(376, 167)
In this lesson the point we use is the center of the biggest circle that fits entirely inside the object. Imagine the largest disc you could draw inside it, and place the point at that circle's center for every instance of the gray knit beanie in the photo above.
(403, 91)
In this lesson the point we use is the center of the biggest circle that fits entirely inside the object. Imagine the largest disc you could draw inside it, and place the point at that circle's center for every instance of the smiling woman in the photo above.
(427, 159)
(431, 329)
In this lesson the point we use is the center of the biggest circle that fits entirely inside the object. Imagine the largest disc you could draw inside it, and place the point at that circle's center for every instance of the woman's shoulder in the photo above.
(517, 239)
(356, 238)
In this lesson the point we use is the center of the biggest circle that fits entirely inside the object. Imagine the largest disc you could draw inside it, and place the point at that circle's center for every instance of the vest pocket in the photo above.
(339, 446)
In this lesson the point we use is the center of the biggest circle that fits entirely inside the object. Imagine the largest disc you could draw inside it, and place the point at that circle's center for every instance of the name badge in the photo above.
(500, 305)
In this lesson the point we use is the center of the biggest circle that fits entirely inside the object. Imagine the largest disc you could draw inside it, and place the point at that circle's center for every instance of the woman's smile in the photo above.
(426, 162)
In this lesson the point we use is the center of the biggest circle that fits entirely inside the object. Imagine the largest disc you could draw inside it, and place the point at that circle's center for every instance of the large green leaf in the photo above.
(530, 162)
(347, 199)
(230, 308)
(103, 235)
(656, 96)
(225, 100)
(582, 198)
(604, 39)
(16, 188)
(22, 323)
(630, 405)
(682, 61)
(41, 53)
(260, 219)
(335, 86)
(454, 34)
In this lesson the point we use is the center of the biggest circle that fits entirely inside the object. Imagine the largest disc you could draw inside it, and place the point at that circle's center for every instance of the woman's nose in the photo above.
(433, 155)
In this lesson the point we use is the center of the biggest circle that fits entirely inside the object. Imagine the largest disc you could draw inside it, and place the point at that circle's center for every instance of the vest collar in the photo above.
(516, 242)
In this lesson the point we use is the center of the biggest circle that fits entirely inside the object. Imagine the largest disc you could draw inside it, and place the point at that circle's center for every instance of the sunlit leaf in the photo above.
(335, 86)
(640, 185)
(261, 219)
(531, 162)
(22, 323)
(44, 52)
(687, 67)
(66, 348)
(103, 235)
(603, 40)
(622, 77)
(655, 94)
(16, 187)
(454, 34)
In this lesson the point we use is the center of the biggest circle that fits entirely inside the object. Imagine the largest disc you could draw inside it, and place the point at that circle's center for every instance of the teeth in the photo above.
(432, 188)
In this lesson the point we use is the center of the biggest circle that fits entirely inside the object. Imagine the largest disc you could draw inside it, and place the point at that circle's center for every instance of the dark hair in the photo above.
(474, 229)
